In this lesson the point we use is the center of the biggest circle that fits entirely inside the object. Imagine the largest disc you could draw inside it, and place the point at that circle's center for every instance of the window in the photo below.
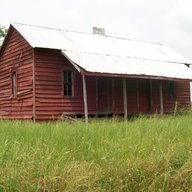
(14, 84)
(170, 89)
(68, 83)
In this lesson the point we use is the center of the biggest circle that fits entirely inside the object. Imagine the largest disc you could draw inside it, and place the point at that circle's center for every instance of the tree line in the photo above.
(3, 31)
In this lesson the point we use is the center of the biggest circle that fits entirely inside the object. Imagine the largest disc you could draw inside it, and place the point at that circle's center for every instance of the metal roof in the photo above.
(105, 54)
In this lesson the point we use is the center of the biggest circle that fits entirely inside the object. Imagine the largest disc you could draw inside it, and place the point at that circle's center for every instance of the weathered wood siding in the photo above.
(110, 97)
(132, 96)
(181, 96)
(143, 97)
(50, 101)
(17, 56)
(182, 90)
(104, 95)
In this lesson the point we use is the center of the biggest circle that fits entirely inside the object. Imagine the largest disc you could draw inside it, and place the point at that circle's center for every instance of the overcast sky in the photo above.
(164, 21)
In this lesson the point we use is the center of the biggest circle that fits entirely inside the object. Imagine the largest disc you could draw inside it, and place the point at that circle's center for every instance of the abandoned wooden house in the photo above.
(46, 72)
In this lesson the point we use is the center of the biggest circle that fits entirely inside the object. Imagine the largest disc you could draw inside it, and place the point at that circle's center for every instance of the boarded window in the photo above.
(14, 84)
(170, 86)
(68, 83)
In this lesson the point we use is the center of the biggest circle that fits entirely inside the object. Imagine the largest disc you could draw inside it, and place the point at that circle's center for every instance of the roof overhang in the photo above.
(116, 66)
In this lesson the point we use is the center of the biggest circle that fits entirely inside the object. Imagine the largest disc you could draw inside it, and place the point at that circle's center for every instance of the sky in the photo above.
(162, 21)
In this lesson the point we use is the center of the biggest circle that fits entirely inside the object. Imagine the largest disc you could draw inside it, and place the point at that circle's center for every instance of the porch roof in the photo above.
(103, 54)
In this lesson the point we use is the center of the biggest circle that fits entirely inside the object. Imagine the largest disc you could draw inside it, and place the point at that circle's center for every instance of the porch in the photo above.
(116, 96)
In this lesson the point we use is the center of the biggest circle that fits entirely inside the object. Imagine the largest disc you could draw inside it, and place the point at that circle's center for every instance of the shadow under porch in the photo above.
(117, 96)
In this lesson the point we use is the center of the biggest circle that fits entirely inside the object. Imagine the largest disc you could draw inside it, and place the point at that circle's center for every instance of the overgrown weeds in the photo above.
(144, 154)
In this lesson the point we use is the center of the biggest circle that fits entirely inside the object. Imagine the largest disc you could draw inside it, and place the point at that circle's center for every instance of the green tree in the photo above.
(3, 31)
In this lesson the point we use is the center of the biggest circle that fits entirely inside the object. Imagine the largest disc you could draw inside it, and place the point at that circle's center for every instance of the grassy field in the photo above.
(144, 154)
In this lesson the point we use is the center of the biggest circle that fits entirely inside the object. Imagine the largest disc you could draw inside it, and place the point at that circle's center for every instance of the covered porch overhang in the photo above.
(89, 64)
(124, 80)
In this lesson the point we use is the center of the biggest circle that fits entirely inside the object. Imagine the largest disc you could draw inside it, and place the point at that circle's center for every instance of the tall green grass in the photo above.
(143, 154)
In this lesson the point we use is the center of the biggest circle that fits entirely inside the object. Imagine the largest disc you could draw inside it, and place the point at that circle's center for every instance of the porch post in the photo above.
(138, 103)
(113, 96)
(85, 98)
(150, 95)
(96, 99)
(34, 95)
(161, 97)
(125, 98)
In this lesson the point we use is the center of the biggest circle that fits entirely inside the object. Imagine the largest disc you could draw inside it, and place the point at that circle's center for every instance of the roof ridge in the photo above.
(109, 36)
(45, 27)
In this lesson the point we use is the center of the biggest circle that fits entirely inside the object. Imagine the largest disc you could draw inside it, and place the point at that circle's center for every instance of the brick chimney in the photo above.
(98, 31)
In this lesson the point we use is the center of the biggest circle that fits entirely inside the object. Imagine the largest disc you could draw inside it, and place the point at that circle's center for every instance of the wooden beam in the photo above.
(85, 98)
(125, 98)
(129, 76)
(161, 97)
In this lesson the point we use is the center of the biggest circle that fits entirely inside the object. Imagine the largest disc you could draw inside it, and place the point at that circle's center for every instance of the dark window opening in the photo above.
(14, 84)
(170, 89)
(68, 83)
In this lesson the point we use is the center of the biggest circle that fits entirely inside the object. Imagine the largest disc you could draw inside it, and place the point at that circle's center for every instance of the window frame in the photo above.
(72, 82)
(14, 85)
